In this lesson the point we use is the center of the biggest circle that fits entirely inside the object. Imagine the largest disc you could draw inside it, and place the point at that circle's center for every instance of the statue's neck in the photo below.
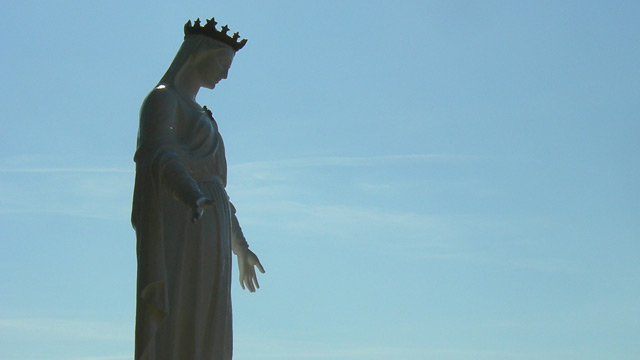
(187, 84)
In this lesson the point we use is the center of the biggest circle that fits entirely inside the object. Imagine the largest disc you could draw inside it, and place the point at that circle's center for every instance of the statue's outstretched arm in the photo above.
(160, 151)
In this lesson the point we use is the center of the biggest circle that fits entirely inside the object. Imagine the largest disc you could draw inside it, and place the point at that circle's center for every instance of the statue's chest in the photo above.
(197, 128)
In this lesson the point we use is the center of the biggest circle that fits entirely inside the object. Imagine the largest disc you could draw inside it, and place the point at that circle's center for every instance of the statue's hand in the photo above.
(247, 261)
(197, 209)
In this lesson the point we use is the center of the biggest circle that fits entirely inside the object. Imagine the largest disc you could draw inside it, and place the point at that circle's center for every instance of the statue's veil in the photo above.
(191, 45)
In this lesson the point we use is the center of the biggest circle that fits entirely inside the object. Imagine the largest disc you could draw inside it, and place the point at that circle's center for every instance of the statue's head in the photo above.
(211, 61)
(207, 51)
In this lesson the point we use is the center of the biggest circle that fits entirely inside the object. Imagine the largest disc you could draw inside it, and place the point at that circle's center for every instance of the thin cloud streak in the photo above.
(74, 329)
(66, 170)
(102, 193)
(420, 236)
(339, 219)
(107, 357)
(79, 214)
(313, 350)
(351, 160)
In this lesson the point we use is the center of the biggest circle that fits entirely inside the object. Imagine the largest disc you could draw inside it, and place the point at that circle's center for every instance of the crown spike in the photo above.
(209, 30)
(211, 23)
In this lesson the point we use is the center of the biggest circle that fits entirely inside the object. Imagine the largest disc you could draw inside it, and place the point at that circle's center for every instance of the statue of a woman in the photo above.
(186, 227)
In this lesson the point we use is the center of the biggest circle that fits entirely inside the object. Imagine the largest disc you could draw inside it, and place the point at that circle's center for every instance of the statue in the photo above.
(185, 225)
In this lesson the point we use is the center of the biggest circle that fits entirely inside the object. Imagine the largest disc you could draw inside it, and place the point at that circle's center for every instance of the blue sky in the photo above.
(421, 179)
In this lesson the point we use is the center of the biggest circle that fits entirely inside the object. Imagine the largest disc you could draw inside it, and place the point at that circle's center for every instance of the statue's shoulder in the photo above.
(161, 98)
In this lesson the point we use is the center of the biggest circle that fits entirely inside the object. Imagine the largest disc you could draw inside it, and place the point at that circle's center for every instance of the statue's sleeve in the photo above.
(175, 177)
(159, 151)
(238, 241)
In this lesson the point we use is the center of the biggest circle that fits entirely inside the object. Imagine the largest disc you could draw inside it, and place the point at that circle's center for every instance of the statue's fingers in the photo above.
(260, 267)
(204, 202)
(255, 280)
(197, 213)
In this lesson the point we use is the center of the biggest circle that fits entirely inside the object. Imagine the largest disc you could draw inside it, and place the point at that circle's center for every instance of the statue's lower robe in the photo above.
(198, 267)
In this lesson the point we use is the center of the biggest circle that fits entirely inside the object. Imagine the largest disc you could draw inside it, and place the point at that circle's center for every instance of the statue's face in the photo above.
(213, 66)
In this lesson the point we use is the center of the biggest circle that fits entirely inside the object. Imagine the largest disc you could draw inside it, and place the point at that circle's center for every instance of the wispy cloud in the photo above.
(340, 221)
(281, 349)
(345, 176)
(548, 264)
(65, 328)
(351, 160)
(103, 193)
(416, 235)
(65, 170)
(107, 357)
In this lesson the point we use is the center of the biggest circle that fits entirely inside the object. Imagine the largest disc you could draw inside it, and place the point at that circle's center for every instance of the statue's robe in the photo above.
(184, 268)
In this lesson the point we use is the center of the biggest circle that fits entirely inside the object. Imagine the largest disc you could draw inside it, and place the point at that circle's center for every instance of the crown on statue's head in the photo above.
(209, 29)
